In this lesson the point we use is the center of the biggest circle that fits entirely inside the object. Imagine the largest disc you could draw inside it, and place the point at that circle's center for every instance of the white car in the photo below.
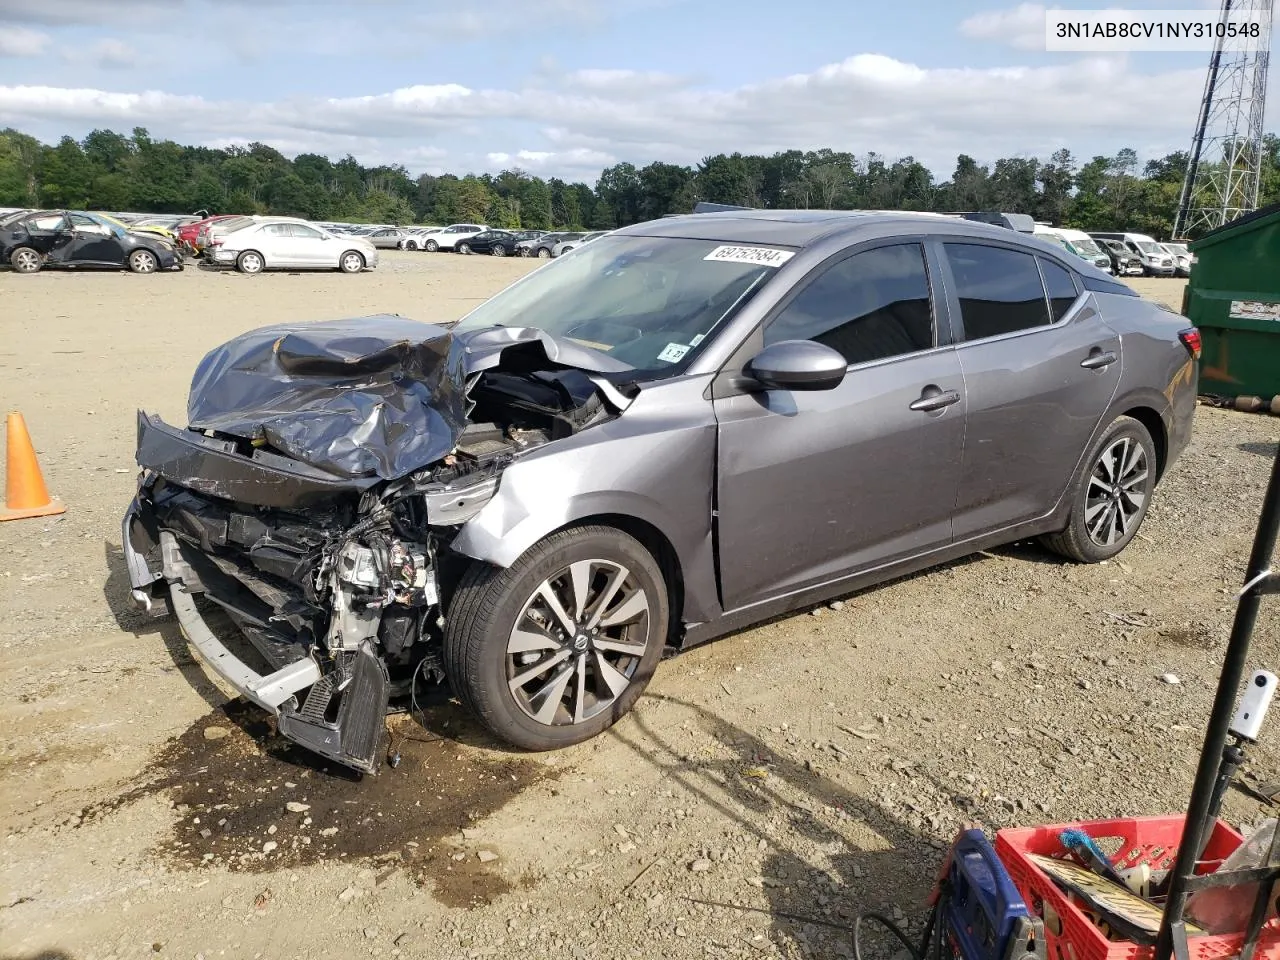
(285, 243)
(1181, 256)
(452, 236)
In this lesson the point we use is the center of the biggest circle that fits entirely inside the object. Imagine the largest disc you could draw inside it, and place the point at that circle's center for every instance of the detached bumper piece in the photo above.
(355, 696)
(341, 715)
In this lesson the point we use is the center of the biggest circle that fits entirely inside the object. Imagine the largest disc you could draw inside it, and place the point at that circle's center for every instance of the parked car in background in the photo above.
(1181, 256)
(389, 238)
(1155, 260)
(1085, 247)
(499, 243)
(417, 238)
(689, 426)
(272, 243)
(449, 237)
(564, 246)
(543, 245)
(1124, 263)
(215, 229)
(75, 238)
(189, 234)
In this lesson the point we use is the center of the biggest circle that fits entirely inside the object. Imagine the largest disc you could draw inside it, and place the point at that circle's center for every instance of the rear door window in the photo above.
(999, 289)
(1060, 284)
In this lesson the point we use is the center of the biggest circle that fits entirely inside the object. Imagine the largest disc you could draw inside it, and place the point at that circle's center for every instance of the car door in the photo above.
(813, 486)
(1040, 365)
(93, 243)
(312, 247)
(50, 234)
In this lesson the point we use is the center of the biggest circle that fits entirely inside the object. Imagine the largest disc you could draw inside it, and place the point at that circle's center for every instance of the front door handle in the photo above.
(1097, 359)
(931, 398)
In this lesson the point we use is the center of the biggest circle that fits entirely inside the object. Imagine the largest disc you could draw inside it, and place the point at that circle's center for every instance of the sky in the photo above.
(568, 87)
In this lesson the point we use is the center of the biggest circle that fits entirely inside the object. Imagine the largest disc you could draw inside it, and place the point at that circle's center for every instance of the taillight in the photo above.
(1190, 338)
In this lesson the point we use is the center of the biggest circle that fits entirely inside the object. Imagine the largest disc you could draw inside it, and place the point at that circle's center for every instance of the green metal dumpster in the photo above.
(1233, 296)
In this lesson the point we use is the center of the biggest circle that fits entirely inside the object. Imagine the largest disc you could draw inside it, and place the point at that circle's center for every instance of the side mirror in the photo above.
(798, 365)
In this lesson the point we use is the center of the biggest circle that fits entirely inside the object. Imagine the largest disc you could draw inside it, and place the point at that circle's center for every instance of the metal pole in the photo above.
(1215, 738)
(1186, 200)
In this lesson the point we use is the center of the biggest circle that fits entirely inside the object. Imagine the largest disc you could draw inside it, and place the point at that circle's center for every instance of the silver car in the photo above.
(686, 427)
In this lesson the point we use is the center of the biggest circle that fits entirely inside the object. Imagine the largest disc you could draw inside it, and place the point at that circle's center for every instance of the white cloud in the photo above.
(865, 102)
(18, 41)
(1021, 27)
(113, 54)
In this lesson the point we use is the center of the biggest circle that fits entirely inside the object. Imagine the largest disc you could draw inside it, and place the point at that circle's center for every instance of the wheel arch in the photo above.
(1158, 429)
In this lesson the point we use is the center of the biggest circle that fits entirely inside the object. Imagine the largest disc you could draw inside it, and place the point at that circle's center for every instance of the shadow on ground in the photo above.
(813, 900)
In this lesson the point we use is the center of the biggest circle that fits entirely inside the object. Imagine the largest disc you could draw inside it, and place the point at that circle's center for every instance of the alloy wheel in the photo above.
(577, 642)
(1117, 491)
(26, 261)
(352, 263)
(143, 262)
(544, 253)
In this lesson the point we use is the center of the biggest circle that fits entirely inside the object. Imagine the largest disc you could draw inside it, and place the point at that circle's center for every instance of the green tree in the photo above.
(66, 176)
(19, 163)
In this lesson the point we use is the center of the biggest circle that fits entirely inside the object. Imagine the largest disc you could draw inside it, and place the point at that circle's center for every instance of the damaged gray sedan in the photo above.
(678, 430)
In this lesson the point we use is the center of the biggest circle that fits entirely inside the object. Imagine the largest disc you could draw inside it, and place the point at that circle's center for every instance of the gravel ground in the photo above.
(769, 787)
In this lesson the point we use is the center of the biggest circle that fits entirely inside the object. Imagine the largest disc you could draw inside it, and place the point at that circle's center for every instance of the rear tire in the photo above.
(485, 653)
(1110, 494)
(464, 248)
(431, 246)
(250, 262)
(26, 260)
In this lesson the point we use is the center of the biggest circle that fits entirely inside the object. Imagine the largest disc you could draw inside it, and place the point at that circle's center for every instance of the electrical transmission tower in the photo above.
(1225, 165)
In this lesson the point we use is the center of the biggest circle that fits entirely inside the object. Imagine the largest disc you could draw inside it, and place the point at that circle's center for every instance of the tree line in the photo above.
(111, 171)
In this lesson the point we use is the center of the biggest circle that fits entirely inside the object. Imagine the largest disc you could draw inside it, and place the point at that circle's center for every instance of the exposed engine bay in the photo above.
(296, 503)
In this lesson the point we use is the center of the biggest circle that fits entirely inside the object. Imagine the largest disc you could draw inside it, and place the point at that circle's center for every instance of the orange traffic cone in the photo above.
(25, 493)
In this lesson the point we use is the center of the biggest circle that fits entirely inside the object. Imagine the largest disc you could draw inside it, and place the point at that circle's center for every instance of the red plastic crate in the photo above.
(1150, 840)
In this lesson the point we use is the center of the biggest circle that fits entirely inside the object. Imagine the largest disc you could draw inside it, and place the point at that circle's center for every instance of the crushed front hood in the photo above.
(377, 396)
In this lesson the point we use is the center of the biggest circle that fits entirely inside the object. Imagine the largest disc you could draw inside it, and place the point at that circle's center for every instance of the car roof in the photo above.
(802, 228)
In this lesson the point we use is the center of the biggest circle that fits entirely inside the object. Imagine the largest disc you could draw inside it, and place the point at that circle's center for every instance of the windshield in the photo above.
(1148, 246)
(1086, 246)
(647, 301)
(1180, 249)
(111, 223)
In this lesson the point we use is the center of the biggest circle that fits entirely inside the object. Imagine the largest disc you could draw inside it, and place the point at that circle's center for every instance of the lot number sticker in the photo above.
(672, 352)
(762, 256)
(1255, 310)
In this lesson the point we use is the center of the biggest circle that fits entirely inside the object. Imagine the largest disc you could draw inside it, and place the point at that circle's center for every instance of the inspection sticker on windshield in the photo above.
(673, 352)
(764, 256)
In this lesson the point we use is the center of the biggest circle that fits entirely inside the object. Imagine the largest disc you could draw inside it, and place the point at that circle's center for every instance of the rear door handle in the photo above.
(1097, 359)
(931, 398)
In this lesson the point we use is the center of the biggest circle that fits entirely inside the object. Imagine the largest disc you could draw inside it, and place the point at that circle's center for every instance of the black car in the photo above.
(1123, 262)
(543, 245)
(499, 243)
(67, 238)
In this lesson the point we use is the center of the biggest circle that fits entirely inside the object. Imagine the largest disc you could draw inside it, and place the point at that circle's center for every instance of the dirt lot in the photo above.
(768, 788)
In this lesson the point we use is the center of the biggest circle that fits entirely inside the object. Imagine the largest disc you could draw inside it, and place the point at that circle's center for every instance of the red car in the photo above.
(189, 235)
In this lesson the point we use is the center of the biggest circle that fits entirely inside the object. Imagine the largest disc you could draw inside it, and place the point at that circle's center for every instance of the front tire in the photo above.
(351, 262)
(1110, 494)
(26, 260)
(544, 253)
(143, 261)
(554, 649)
(250, 262)
(464, 248)
(498, 250)
(411, 245)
